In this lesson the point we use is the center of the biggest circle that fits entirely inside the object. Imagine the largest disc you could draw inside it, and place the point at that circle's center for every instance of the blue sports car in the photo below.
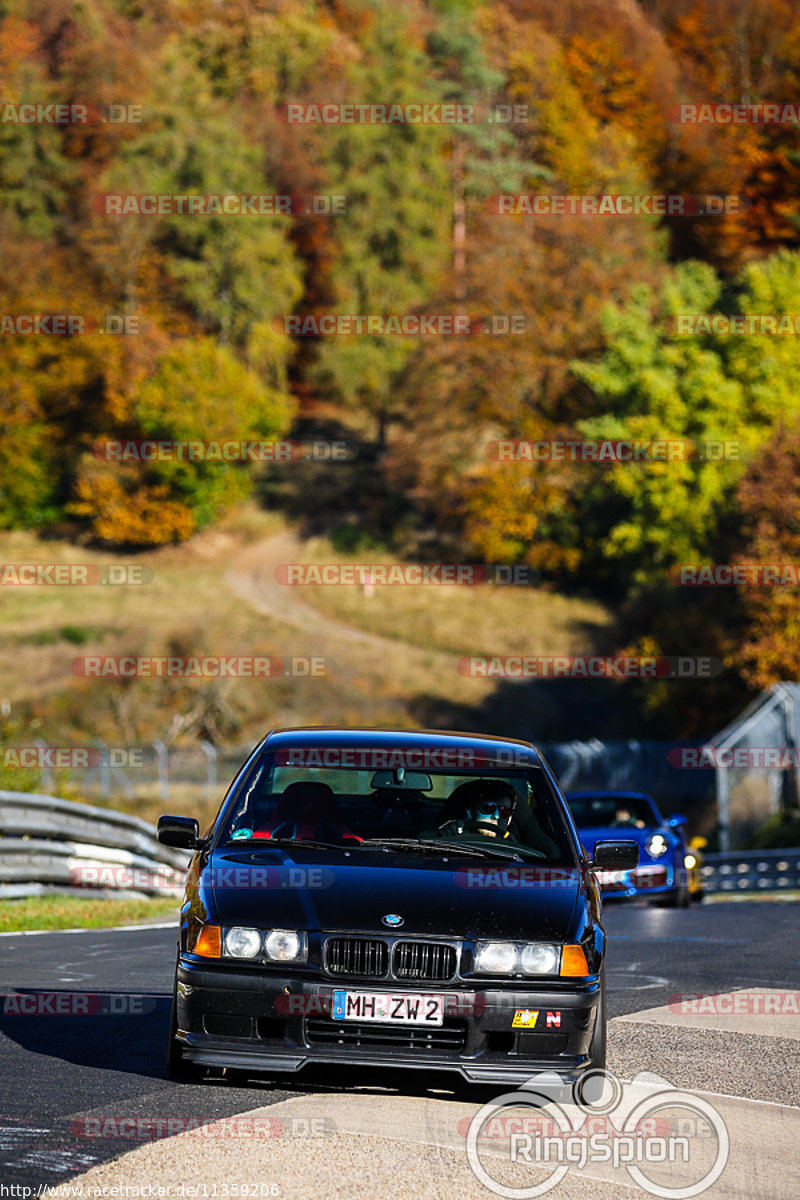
(661, 875)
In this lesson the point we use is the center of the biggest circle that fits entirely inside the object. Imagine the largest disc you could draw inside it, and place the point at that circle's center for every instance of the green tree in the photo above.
(200, 392)
(394, 242)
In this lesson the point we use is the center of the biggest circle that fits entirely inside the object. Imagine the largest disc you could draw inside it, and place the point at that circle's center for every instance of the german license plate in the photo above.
(400, 1009)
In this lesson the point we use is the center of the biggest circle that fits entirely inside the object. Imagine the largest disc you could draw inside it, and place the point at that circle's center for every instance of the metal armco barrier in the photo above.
(752, 871)
(47, 842)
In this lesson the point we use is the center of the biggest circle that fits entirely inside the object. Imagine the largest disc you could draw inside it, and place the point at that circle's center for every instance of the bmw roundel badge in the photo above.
(392, 919)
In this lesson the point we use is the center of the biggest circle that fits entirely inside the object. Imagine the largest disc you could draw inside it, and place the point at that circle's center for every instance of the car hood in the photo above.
(470, 898)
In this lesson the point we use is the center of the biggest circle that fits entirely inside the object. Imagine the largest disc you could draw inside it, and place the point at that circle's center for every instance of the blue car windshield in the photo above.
(614, 812)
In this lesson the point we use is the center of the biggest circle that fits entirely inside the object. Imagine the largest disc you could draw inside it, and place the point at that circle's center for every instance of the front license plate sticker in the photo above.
(394, 1009)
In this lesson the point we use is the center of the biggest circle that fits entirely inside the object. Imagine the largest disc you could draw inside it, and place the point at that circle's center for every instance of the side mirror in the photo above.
(616, 856)
(698, 843)
(182, 832)
(676, 821)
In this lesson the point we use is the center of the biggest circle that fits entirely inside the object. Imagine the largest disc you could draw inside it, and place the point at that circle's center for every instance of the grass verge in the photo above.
(78, 912)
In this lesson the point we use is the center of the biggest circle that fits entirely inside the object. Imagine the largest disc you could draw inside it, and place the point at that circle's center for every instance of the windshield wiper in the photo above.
(445, 847)
(282, 843)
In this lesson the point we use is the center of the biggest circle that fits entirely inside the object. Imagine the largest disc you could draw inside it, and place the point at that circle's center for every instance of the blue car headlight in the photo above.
(657, 845)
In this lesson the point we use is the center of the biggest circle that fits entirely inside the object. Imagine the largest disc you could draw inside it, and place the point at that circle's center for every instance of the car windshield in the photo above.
(626, 812)
(507, 810)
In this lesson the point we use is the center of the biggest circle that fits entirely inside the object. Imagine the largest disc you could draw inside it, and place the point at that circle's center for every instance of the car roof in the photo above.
(369, 738)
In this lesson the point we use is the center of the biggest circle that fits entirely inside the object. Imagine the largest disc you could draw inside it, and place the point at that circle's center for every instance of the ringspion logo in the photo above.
(639, 1126)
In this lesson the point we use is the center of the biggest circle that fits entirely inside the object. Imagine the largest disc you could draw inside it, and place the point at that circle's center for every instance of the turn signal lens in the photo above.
(573, 961)
(209, 942)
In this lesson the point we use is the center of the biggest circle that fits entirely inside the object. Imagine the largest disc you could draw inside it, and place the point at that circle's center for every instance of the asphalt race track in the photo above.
(66, 1075)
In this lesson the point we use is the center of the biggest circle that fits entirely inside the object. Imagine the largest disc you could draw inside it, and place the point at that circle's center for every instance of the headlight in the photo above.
(242, 943)
(495, 958)
(284, 945)
(520, 958)
(657, 845)
(690, 861)
(539, 958)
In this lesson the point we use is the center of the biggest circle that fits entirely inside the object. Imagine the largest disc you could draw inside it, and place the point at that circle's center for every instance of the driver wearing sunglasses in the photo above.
(486, 806)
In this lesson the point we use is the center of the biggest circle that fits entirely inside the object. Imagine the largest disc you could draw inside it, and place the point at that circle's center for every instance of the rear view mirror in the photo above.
(616, 856)
(415, 781)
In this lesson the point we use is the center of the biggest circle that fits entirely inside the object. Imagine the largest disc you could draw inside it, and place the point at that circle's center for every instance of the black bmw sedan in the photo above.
(398, 898)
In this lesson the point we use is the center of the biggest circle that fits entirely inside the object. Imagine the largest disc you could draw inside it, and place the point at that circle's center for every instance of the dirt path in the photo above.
(252, 578)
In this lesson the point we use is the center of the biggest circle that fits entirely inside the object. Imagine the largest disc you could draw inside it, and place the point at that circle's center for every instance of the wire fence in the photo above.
(160, 773)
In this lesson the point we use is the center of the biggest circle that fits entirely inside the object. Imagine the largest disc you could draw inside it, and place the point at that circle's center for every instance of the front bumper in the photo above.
(228, 1017)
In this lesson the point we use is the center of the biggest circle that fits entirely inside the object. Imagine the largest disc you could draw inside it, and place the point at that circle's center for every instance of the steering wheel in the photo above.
(467, 825)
